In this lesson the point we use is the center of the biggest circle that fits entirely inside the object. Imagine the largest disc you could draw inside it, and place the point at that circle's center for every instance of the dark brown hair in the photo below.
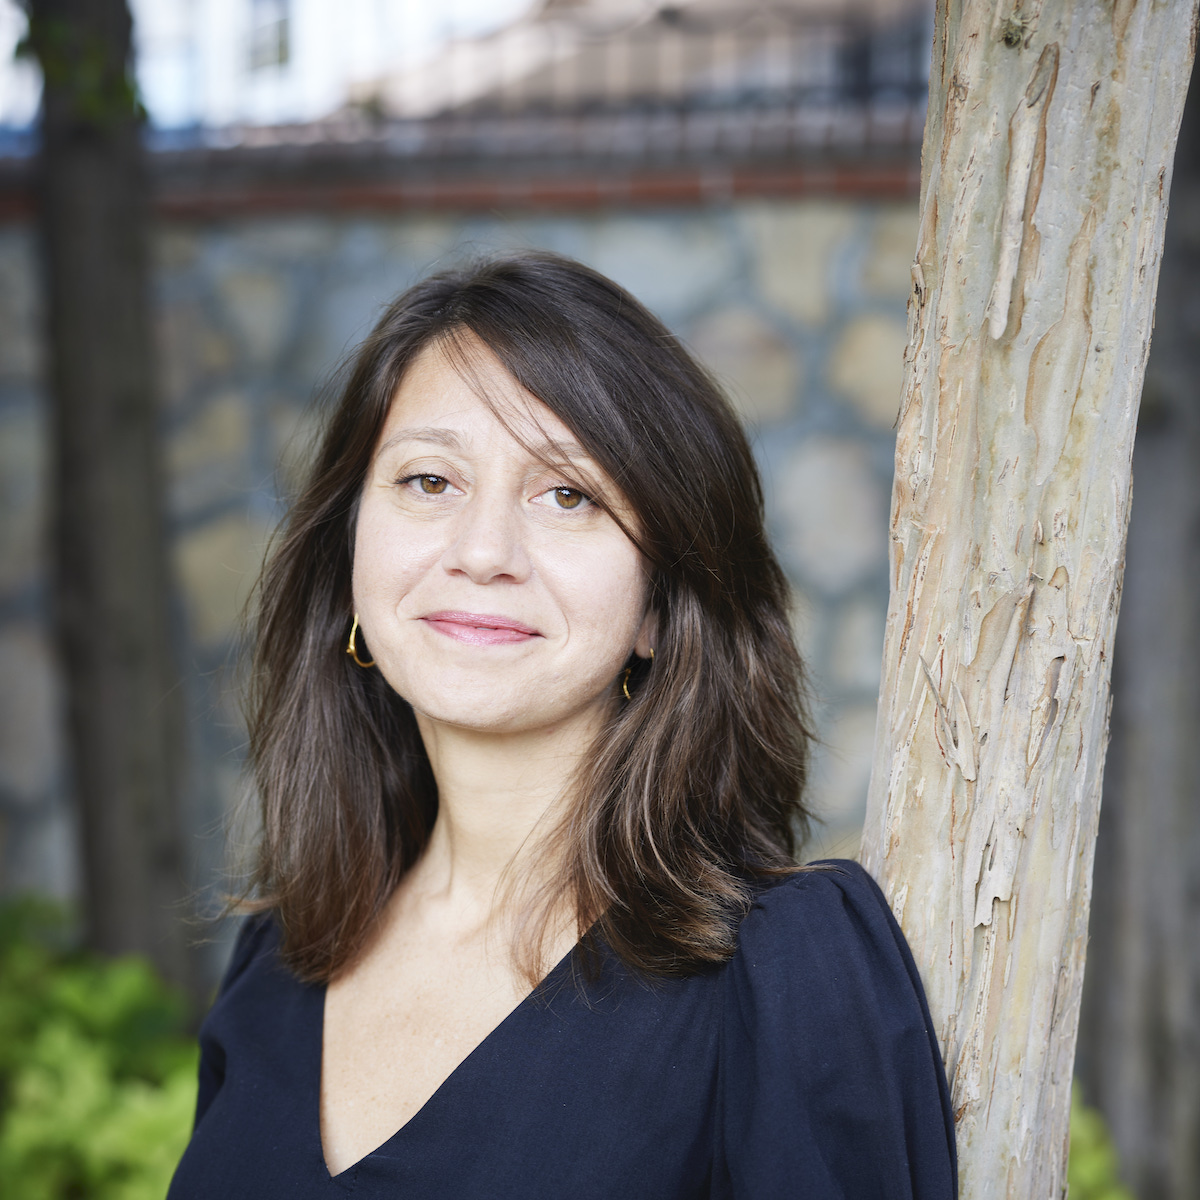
(693, 789)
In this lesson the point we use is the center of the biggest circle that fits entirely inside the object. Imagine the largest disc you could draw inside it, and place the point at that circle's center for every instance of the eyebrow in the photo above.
(431, 434)
(568, 451)
(547, 447)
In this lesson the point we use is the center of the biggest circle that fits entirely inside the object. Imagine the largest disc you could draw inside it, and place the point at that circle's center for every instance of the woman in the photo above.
(526, 725)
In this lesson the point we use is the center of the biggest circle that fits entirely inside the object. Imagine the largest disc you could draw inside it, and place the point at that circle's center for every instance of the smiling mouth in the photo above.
(480, 629)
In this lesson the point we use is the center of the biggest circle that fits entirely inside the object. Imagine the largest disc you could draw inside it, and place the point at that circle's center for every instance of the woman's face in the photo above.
(493, 592)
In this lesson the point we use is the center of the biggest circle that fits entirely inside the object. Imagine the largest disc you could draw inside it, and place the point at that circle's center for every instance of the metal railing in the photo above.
(748, 55)
(683, 81)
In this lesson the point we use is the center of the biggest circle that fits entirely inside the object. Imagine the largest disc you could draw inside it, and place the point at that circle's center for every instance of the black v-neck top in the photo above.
(804, 1067)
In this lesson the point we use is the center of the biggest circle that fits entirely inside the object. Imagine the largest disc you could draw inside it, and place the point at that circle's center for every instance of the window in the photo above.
(268, 33)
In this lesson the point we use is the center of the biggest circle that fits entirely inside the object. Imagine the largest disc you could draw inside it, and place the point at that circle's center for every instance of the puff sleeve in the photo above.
(252, 936)
(832, 1086)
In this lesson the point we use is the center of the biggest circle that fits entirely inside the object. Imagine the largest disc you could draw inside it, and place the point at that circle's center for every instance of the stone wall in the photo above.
(798, 306)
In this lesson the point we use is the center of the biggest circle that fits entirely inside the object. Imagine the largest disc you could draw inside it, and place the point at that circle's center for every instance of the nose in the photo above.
(487, 543)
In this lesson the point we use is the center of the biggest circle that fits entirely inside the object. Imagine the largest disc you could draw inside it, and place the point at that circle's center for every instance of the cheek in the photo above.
(603, 589)
(388, 556)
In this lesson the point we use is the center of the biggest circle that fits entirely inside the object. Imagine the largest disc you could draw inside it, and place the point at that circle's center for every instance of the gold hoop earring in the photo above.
(352, 650)
(625, 677)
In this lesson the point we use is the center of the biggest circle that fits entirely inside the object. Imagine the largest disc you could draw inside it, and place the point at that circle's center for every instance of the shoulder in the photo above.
(257, 940)
(831, 913)
(820, 954)
(829, 1052)
(256, 944)
(258, 996)
(827, 887)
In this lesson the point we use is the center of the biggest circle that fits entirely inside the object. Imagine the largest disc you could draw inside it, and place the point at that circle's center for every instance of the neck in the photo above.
(499, 796)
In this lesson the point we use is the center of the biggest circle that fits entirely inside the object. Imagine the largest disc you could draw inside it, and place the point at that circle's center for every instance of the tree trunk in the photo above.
(110, 557)
(1046, 165)
(1139, 1036)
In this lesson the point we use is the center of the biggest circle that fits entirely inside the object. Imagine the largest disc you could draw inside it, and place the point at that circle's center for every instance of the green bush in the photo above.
(1092, 1170)
(97, 1074)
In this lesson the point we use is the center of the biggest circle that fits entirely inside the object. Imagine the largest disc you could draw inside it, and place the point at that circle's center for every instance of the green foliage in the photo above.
(97, 1076)
(1092, 1171)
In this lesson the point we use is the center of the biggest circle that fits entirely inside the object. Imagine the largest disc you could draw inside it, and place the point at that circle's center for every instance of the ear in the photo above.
(647, 635)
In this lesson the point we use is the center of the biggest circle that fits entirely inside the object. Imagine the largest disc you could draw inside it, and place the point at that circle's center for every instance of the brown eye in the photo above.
(432, 485)
(565, 497)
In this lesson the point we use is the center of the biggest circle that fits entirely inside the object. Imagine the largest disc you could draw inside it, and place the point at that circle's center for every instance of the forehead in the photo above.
(471, 396)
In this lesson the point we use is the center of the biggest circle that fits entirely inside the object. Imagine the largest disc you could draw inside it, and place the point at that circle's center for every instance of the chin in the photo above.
(489, 722)
(495, 714)
(466, 707)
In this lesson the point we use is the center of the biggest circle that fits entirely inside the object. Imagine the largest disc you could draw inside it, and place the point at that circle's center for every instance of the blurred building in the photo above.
(748, 170)
(207, 65)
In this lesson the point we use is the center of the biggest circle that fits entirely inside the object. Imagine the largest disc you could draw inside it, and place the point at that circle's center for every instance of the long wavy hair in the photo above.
(692, 791)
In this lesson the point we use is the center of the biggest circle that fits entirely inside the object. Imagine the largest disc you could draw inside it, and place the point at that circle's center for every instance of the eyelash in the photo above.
(558, 487)
(405, 480)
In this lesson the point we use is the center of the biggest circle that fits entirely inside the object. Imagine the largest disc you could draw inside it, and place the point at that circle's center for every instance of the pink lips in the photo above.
(480, 629)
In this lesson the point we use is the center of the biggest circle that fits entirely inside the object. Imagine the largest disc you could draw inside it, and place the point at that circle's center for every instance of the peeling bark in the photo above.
(1139, 1035)
(1047, 162)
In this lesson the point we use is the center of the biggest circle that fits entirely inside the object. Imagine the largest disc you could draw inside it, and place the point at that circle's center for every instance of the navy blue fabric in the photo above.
(804, 1067)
